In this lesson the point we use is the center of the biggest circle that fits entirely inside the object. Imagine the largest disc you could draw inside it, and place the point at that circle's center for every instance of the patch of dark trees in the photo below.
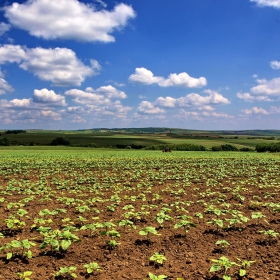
(14, 131)
(264, 147)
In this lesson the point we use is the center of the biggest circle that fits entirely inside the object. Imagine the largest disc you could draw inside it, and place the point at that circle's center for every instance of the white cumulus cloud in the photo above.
(166, 102)
(4, 27)
(12, 53)
(246, 96)
(4, 86)
(69, 19)
(60, 65)
(48, 97)
(275, 64)
(145, 76)
(102, 95)
(183, 80)
(267, 87)
(146, 107)
(194, 99)
(109, 91)
(255, 111)
(268, 3)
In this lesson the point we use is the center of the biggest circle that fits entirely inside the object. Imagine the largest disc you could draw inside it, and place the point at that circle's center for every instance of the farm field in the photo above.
(123, 214)
(140, 137)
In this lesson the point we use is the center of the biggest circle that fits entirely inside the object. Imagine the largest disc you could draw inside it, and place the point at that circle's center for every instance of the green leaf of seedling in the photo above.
(215, 268)
(65, 244)
(28, 254)
(9, 255)
(242, 272)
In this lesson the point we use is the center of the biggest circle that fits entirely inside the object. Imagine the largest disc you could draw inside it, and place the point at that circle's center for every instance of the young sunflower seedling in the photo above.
(147, 231)
(223, 264)
(258, 216)
(92, 268)
(154, 277)
(158, 258)
(185, 223)
(126, 224)
(244, 265)
(113, 243)
(223, 244)
(67, 272)
(271, 234)
(24, 275)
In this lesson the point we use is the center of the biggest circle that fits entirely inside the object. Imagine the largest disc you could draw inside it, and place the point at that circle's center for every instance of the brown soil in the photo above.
(196, 183)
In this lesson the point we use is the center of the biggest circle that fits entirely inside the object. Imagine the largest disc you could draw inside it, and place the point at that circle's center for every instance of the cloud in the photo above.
(101, 95)
(268, 3)
(59, 65)
(146, 107)
(4, 27)
(167, 102)
(26, 111)
(245, 96)
(217, 115)
(16, 104)
(68, 19)
(249, 97)
(255, 111)
(48, 97)
(98, 102)
(12, 53)
(101, 3)
(145, 76)
(201, 116)
(78, 119)
(50, 114)
(194, 99)
(267, 87)
(109, 91)
(275, 64)
(84, 97)
(140, 96)
(274, 110)
(183, 80)
(4, 86)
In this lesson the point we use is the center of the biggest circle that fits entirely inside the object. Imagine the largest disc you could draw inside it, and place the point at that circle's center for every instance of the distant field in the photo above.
(111, 139)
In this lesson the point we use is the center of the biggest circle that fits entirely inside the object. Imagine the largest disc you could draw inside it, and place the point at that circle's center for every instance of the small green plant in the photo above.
(90, 227)
(223, 264)
(271, 234)
(217, 222)
(92, 268)
(126, 224)
(67, 272)
(147, 231)
(158, 258)
(244, 264)
(223, 244)
(154, 277)
(24, 275)
(59, 241)
(112, 244)
(161, 217)
(14, 223)
(16, 247)
(258, 216)
(185, 223)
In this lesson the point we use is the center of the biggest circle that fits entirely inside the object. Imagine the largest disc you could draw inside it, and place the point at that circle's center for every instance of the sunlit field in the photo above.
(82, 213)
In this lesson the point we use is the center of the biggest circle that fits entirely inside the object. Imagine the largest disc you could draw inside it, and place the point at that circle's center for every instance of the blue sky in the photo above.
(200, 64)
